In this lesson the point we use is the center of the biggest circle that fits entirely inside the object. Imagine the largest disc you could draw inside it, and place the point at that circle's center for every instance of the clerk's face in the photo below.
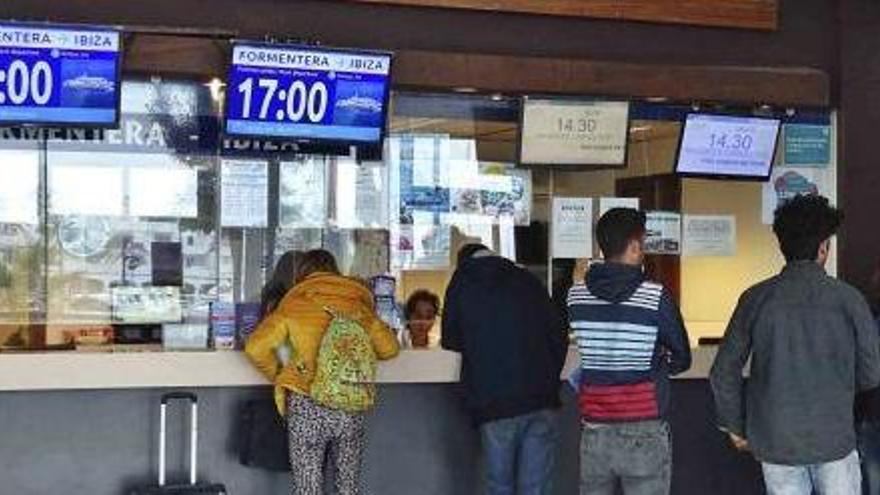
(423, 317)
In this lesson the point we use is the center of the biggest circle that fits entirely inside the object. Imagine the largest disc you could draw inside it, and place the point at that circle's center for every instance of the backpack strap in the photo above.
(311, 296)
(333, 312)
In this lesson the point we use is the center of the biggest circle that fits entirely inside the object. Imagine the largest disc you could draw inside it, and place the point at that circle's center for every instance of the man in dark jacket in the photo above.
(513, 345)
(813, 344)
(631, 338)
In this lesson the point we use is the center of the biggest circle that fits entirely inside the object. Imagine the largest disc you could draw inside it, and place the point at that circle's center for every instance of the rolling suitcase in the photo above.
(193, 487)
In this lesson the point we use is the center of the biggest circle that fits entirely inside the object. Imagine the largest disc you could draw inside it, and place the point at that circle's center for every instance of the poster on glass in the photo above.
(709, 235)
(663, 233)
(244, 197)
(572, 228)
(302, 198)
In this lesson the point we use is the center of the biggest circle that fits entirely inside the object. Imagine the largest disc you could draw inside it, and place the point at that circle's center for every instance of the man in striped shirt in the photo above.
(631, 339)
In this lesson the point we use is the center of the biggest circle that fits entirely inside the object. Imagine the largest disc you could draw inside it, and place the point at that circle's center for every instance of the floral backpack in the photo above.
(346, 371)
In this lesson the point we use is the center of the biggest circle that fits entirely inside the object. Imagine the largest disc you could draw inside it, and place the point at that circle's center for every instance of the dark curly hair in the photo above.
(803, 223)
(421, 296)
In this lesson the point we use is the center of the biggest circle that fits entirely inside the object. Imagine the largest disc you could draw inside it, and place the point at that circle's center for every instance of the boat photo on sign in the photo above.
(61, 76)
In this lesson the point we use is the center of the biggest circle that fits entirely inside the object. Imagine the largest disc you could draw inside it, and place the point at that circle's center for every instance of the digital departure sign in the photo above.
(59, 75)
(308, 94)
(728, 146)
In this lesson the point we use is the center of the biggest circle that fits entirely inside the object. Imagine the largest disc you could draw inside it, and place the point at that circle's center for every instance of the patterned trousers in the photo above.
(317, 434)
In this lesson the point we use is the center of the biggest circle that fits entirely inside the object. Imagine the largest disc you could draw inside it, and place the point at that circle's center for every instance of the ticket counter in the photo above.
(99, 221)
(93, 371)
(102, 407)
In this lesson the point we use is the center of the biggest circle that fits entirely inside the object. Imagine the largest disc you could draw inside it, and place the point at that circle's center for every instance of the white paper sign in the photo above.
(85, 190)
(244, 198)
(19, 187)
(371, 204)
(430, 241)
(462, 174)
(346, 193)
(507, 238)
(663, 233)
(360, 200)
(608, 204)
(572, 228)
(163, 192)
(302, 199)
(459, 168)
(709, 235)
(185, 336)
(474, 226)
(566, 132)
(505, 191)
(423, 161)
(146, 304)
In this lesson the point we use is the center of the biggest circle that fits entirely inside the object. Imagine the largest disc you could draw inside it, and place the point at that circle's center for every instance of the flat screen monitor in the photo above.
(572, 132)
(308, 94)
(59, 75)
(729, 147)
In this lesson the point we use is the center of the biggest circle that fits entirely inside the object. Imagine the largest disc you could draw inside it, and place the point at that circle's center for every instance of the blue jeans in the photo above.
(843, 477)
(520, 454)
(869, 449)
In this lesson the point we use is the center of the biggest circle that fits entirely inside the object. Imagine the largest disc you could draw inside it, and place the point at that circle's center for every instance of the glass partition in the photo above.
(22, 252)
(166, 227)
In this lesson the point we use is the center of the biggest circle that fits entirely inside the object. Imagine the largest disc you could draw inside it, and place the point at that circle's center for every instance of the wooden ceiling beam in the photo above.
(742, 14)
(442, 71)
(515, 75)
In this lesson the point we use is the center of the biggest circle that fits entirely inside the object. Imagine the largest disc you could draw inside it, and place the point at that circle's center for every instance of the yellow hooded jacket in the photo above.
(301, 320)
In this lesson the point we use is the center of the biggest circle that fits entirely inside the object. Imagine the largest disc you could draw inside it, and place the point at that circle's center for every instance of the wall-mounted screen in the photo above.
(52, 75)
(560, 131)
(722, 146)
(308, 94)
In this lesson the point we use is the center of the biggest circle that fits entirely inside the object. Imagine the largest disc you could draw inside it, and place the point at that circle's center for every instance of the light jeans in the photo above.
(843, 477)
(637, 456)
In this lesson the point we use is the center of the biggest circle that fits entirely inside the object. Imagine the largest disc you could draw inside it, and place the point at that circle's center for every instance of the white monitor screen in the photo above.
(726, 146)
(574, 132)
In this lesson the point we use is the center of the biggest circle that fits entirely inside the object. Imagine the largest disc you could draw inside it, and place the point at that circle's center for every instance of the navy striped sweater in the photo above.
(631, 337)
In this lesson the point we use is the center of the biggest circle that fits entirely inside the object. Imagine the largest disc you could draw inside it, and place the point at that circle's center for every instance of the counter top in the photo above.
(131, 370)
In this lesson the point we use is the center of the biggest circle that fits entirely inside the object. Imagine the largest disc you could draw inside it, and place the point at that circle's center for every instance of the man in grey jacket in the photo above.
(813, 344)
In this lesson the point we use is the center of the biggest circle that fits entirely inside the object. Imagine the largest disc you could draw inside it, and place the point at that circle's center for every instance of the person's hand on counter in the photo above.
(738, 442)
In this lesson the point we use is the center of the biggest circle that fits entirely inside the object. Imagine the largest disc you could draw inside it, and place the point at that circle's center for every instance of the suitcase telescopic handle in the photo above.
(194, 433)
(166, 398)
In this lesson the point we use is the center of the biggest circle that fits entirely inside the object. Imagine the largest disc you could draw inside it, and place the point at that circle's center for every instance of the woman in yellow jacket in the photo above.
(300, 320)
